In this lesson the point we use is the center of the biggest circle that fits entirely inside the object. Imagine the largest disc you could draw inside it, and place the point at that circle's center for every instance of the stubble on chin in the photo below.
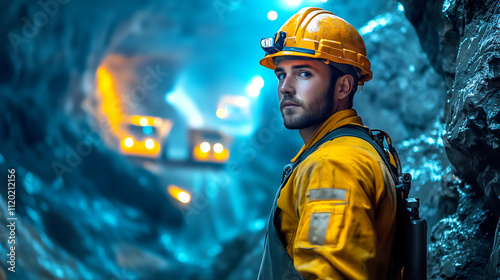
(295, 120)
(306, 118)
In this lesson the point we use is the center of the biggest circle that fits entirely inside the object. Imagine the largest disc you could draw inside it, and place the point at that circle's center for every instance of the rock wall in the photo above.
(462, 39)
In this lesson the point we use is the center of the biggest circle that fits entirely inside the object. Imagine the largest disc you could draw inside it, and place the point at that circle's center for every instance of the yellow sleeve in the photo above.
(336, 236)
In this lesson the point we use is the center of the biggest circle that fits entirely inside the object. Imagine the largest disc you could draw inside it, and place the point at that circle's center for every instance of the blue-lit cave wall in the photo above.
(84, 211)
(462, 40)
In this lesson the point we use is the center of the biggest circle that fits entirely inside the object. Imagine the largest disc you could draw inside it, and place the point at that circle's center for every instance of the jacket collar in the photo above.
(336, 120)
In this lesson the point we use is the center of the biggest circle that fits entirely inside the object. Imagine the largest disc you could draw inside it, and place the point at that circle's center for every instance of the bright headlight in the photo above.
(205, 147)
(129, 142)
(218, 148)
(150, 144)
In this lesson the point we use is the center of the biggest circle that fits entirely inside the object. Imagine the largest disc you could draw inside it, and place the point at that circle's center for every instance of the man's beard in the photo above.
(315, 114)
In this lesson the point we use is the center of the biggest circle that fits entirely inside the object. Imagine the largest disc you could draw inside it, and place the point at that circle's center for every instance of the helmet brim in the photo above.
(268, 62)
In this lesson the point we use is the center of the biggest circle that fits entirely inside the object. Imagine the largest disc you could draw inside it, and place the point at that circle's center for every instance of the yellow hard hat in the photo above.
(318, 34)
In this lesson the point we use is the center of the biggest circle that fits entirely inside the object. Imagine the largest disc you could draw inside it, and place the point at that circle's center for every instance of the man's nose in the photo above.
(287, 86)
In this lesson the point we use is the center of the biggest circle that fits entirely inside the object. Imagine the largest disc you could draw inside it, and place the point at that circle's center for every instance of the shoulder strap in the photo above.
(346, 130)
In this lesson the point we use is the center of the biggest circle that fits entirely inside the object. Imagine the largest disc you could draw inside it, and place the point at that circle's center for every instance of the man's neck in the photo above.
(308, 132)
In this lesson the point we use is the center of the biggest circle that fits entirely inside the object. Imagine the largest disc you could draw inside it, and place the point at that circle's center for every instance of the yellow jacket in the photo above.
(339, 208)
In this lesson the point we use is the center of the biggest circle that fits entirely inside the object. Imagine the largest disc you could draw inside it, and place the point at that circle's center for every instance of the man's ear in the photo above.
(344, 86)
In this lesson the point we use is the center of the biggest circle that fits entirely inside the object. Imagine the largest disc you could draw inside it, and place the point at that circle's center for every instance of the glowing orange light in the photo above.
(110, 99)
(201, 152)
(143, 120)
(148, 148)
(179, 194)
(222, 156)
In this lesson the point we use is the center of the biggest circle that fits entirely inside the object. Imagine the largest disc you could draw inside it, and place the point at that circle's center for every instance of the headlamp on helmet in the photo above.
(273, 44)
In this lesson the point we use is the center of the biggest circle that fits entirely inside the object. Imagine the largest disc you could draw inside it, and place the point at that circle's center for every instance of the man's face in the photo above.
(303, 87)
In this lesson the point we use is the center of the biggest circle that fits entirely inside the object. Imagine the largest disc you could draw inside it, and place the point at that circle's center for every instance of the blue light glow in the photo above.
(446, 5)
(401, 8)
(183, 103)
(109, 218)
(33, 214)
(32, 183)
(257, 225)
(293, 2)
(214, 251)
(182, 257)
(147, 129)
(378, 22)
(166, 239)
(46, 241)
(253, 90)
(59, 272)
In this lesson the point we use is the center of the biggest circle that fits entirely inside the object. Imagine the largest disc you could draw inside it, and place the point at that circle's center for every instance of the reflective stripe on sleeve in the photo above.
(327, 194)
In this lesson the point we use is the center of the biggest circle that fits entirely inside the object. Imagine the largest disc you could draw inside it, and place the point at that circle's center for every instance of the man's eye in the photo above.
(304, 74)
(280, 76)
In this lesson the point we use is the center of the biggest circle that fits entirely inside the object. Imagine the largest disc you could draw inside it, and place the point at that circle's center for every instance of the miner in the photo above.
(334, 214)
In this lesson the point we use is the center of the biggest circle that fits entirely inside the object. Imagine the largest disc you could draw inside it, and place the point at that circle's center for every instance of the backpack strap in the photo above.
(346, 130)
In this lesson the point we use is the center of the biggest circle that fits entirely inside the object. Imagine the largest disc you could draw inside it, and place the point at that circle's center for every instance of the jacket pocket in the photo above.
(321, 224)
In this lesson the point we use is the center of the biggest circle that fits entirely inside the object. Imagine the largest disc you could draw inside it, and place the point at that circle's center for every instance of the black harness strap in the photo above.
(346, 130)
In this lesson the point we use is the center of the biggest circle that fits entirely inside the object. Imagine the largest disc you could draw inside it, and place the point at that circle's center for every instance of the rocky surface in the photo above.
(462, 39)
(405, 96)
